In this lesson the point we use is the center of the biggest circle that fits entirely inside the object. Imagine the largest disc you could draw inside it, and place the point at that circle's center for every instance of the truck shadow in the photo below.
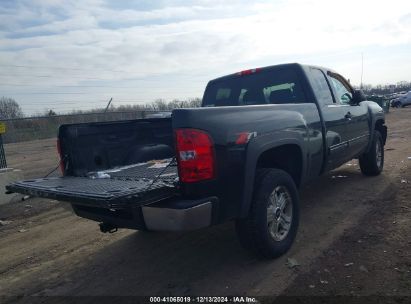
(211, 261)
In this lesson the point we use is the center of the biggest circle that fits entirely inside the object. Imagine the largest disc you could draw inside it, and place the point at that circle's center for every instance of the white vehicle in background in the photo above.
(401, 100)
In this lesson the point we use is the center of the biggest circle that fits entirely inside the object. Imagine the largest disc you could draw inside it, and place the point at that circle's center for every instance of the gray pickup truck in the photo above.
(258, 137)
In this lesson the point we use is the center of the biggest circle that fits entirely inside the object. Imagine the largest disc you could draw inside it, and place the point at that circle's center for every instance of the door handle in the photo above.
(348, 116)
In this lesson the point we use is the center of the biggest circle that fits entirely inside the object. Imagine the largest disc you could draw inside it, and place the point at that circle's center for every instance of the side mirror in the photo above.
(358, 96)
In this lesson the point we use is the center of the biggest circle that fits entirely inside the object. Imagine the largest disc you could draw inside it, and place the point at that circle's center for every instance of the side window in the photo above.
(223, 97)
(223, 93)
(282, 93)
(241, 98)
(342, 90)
(321, 88)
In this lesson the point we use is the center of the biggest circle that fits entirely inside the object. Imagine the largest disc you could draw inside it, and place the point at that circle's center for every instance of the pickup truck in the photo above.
(259, 136)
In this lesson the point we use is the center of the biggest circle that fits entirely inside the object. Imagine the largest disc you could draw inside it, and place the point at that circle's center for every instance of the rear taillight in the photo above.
(195, 155)
(62, 165)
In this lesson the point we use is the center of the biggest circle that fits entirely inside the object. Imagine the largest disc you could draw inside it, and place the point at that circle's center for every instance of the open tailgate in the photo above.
(138, 184)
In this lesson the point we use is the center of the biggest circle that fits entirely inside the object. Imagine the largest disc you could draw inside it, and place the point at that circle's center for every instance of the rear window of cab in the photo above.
(273, 86)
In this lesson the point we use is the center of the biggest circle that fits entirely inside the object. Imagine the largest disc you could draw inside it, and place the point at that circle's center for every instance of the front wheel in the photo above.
(271, 225)
(372, 162)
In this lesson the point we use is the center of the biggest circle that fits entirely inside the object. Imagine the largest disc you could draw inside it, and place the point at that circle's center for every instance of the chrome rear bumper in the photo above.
(186, 215)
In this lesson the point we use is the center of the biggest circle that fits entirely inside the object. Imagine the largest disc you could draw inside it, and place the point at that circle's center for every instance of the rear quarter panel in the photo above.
(274, 125)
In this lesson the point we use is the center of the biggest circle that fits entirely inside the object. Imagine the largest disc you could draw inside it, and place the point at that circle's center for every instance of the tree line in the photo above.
(10, 109)
(402, 86)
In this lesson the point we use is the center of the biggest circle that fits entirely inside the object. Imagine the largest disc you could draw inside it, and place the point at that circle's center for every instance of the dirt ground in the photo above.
(354, 239)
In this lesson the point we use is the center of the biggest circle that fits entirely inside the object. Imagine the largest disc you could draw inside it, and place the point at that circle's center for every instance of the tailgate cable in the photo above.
(172, 162)
(58, 165)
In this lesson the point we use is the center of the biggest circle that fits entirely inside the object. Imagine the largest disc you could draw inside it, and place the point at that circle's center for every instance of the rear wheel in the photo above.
(271, 226)
(372, 162)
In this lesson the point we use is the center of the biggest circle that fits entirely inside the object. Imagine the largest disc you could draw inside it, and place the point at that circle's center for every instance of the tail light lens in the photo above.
(195, 155)
(62, 165)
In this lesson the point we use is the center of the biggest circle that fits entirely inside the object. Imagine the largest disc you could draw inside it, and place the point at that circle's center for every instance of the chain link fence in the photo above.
(31, 128)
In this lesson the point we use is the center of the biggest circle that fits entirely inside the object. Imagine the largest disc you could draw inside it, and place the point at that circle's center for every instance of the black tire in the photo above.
(371, 163)
(254, 230)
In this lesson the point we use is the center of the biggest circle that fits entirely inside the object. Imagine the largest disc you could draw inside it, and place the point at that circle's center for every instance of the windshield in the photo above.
(273, 86)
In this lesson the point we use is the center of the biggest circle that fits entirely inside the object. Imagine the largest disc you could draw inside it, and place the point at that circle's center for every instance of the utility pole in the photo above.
(109, 102)
(362, 67)
(3, 163)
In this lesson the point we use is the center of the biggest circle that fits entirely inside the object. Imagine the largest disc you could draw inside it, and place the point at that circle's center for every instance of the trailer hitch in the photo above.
(106, 227)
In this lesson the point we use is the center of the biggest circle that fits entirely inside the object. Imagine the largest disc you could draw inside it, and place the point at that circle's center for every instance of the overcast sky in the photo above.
(64, 54)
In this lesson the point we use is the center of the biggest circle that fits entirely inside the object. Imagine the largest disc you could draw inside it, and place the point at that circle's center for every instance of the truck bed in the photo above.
(137, 184)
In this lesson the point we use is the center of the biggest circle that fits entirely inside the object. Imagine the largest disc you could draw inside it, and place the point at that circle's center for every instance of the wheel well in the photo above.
(287, 158)
(379, 126)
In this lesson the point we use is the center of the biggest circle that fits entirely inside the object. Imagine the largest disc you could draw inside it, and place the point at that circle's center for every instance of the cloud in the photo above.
(172, 43)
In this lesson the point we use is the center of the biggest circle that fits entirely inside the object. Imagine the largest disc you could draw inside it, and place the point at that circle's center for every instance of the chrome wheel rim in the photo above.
(378, 153)
(279, 213)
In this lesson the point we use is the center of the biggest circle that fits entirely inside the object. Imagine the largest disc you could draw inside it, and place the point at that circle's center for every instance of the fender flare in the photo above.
(375, 115)
(255, 149)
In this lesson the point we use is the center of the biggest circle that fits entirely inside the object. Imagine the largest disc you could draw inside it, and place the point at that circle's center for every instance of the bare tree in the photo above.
(50, 113)
(9, 108)
(194, 102)
(162, 105)
(159, 105)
